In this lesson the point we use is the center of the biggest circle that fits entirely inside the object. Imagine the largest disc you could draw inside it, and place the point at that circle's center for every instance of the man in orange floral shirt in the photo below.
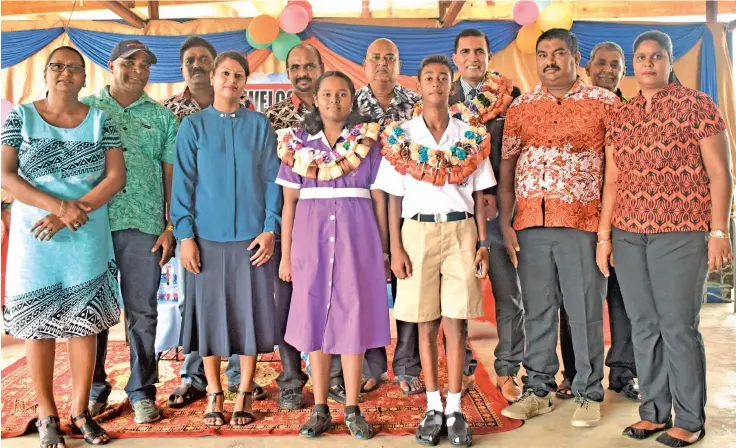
(552, 169)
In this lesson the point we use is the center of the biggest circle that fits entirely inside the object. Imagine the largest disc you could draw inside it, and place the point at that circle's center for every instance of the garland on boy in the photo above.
(492, 100)
(322, 165)
(452, 166)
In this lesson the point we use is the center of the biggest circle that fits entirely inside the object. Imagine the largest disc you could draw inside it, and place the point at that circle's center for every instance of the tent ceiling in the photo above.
(365, 9)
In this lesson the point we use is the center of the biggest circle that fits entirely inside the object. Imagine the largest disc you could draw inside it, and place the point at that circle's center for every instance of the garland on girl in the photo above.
(434, 165)
(492, 100)
(322, 165)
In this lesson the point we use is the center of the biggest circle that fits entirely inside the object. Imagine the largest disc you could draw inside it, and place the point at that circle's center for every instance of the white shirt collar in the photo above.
(421, 134)
(321, 135)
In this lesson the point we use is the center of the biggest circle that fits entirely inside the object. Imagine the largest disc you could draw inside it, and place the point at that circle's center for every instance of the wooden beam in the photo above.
(126, 14)
(153, 9)
(447, 19)
(711, 11)
(365, 12)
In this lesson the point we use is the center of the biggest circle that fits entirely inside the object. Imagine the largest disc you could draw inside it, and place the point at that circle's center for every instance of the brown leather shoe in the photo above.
(509, 388)
(468, 383)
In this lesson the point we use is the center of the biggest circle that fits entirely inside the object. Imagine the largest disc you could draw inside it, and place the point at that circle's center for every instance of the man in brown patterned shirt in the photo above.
(197, 55)
(303, 65)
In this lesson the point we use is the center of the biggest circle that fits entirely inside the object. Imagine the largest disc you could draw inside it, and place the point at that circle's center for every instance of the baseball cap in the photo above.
(127, 47)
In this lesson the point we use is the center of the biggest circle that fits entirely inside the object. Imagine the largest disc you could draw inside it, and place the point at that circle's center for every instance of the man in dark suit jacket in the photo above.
(471, 57)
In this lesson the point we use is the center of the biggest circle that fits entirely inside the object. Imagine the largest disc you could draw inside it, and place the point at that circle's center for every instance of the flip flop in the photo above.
(564, 392)
(188, 393)
(415, 385)
(365, 390)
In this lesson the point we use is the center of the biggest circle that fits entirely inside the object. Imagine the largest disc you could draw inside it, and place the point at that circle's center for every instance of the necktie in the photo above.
(472, 94)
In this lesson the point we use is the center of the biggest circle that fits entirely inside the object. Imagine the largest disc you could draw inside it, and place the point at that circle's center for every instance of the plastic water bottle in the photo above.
(161, 294)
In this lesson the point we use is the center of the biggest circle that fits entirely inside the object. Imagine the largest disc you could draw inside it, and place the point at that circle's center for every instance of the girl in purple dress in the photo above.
(339, 228)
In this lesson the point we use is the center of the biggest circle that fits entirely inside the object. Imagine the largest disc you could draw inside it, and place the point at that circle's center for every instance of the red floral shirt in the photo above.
(559, 144)
(662, 185)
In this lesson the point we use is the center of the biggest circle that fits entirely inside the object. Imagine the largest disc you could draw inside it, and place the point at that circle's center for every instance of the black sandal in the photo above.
(188, 394)
(458, 432)
(366, 390)
(211, 403)
(641, 434)
(668, 440)
(415, 386)
(564, 392)
(243, 414)
(359, 428)
(318, 424)
(90, 429)
(49, 432)
(430, 428)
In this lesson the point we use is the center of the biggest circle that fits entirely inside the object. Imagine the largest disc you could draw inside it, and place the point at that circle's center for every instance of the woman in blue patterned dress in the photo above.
(62, 162)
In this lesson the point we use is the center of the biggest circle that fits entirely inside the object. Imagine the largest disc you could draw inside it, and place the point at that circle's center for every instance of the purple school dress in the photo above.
(339, 304)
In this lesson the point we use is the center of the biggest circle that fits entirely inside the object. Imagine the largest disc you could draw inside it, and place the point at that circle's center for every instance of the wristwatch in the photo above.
(483, 243)
(720, 234)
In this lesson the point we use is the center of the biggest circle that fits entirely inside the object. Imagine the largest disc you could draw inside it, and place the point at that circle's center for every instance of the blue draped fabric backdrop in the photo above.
(20, 45)
(351, 42)
(97, 46)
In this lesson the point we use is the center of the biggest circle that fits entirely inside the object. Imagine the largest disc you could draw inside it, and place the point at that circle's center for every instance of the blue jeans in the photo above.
(140, 276)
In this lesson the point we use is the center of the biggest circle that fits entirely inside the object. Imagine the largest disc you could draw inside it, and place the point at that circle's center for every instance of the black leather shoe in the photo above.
(641, 434)
(291, 398)
(668, 440)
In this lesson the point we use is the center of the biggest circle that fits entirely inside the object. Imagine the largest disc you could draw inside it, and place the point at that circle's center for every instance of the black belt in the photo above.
(442, 217)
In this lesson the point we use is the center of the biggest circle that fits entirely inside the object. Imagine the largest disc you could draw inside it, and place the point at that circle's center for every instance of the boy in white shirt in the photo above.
(440, 254)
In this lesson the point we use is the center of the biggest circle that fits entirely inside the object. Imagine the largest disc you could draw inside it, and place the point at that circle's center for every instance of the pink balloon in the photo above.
(305, 4)
(294, 19)
(525, 12)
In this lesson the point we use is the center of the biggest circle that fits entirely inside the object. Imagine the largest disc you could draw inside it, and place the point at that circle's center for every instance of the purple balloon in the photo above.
(525, 12)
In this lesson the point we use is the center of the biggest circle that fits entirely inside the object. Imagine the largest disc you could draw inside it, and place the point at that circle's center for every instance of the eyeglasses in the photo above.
(59, 67)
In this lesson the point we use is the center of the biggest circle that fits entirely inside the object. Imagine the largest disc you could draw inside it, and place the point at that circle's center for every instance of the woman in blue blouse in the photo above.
(226, 209)
(62, 162)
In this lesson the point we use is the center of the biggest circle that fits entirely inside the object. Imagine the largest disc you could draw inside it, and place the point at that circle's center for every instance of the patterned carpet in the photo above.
(387, 408)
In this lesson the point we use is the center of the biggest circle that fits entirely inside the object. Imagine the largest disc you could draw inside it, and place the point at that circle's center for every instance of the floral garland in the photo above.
(323, 165)
(434, 165)
(492, 100)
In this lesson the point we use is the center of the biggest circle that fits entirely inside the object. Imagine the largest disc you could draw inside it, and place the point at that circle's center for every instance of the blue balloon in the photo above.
(543, 3)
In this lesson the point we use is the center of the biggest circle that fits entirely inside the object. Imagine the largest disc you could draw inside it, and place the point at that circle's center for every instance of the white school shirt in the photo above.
(423, 197)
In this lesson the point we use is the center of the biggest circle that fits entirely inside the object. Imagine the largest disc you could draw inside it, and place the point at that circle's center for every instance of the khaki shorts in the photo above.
(443, 281)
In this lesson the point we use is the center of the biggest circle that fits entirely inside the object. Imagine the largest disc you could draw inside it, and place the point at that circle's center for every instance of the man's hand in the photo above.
(481, 262)
(511, 243)
(400, 263)
(491, 209)
(167, 243)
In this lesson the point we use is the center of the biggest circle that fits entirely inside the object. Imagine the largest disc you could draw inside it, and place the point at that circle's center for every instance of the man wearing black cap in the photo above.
(142, 236)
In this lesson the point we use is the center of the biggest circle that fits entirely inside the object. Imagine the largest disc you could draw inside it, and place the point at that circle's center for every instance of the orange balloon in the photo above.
(263, 29)
(526, 40)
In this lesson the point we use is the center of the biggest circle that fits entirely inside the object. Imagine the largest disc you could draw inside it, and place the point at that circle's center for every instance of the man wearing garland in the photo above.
(435, 169)
(473, 87)
(384, 100)
(552, 171)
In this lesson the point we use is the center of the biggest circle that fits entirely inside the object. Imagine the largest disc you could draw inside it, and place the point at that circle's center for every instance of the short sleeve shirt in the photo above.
(148, 133)
(662, 185)
(560, 148)
(423, 197)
